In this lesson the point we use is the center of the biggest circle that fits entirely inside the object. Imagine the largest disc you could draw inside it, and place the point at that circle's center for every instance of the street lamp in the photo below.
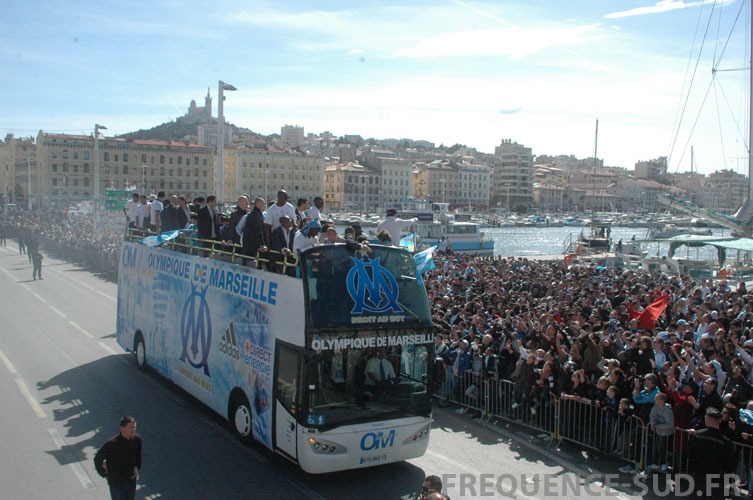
(5, 184)
(143, 178)
(219, 171)
(97, 128)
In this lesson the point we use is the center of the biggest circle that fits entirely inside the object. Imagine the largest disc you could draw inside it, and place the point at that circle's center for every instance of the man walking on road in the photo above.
(37, 260)
(119, 460)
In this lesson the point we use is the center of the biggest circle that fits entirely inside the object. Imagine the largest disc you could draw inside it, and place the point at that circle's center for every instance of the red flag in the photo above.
(634, 313)
(649, 315)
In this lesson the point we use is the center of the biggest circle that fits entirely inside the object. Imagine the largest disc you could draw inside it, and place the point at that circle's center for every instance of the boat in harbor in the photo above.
(435, 223)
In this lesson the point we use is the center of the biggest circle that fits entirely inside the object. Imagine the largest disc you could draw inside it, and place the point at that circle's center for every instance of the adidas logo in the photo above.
(228, 345)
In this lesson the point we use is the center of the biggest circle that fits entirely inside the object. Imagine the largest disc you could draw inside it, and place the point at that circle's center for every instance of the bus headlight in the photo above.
(423, 433)
(324, 447)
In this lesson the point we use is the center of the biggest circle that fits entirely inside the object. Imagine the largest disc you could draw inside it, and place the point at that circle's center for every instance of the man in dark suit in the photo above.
(254, 235)
(208, 223)
(281, 240)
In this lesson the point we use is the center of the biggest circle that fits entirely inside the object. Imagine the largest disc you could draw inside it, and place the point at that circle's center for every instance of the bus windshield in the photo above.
(348, 385)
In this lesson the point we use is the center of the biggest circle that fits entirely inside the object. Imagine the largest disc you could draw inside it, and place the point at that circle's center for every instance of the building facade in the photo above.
(513, 173)
(66, 167)
(352, 187)
(262, 170)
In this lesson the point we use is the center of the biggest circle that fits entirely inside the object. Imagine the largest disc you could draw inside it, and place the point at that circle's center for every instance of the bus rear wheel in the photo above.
(139, 350)
(240, 417)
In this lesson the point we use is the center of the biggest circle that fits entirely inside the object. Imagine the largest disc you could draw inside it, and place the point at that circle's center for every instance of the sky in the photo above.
(538, 72)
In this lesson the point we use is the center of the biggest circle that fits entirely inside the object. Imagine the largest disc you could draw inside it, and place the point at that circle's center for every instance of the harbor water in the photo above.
(522, 241)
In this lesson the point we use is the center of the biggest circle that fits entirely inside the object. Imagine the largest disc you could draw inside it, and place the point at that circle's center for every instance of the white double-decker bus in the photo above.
(286, 359)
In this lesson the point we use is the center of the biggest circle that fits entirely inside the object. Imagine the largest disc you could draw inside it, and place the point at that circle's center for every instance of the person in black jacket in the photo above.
(710, 456)
(281, 240)
(208, 222)
(254, 235)
(241, 209)
(119, 460)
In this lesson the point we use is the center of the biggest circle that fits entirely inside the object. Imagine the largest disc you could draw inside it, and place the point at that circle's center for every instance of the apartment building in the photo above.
(513, 170)
(65, 173)
(352, 187)
(262, 169)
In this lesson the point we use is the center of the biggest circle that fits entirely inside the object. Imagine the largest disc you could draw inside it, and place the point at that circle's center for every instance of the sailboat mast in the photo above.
(596, 145)
(750, 105)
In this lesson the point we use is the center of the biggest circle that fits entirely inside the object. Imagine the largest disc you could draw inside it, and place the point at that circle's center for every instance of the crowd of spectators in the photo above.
(71, 237)
(577, 333)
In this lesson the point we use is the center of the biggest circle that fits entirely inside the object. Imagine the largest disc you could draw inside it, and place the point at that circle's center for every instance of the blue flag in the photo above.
(157, 240)
(424, 262)
(409, 242)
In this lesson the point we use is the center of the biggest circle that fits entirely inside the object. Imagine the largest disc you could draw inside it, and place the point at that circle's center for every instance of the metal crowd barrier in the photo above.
(577, 421)
(679, 459)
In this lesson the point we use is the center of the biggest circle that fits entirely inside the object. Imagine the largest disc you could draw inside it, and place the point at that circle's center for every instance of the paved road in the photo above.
(65, 383)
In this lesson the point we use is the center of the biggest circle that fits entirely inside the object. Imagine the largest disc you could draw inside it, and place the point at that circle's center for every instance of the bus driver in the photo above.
(378, 370)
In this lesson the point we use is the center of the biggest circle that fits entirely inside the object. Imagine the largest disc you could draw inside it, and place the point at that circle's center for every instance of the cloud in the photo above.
(658, 8)
(513, 43)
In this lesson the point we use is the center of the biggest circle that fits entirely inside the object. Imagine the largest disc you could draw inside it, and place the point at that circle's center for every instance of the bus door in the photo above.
(287, 397)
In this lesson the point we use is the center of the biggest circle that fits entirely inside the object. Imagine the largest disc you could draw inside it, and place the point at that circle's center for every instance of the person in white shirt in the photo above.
(378, 370)
(130, 210)
(156, 208)
(315, 212)
(142, 213)
(274, 212)
(394, 226)
(307, 237)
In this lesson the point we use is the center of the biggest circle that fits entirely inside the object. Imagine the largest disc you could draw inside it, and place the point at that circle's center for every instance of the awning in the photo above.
(721, 243)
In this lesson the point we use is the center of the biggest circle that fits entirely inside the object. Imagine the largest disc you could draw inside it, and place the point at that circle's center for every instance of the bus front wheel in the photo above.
(139, 350)
(240, 417)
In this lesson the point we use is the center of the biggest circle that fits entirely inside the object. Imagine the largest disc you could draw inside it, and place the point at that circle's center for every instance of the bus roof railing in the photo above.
(219, 250)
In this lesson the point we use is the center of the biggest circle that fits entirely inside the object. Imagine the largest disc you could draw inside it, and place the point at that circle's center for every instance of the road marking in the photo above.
(85, 285)
(76, 326)
(24, 286)
(39, 297)
(106, 347)
(305, 490)
(75, 466)
(33, 402)
(7, 363)
(58, 311)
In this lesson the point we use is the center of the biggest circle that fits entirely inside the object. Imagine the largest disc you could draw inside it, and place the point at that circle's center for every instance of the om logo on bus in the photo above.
(196, 330)
(377, 440)
(375, 291)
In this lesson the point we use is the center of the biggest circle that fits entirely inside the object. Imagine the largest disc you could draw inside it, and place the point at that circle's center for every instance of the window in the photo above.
(170, 172)
(65, 166)
(170, 160)
(107, 156)
(115, 156)
(75, 155)
(143, 158)
(65, 154)
(54, 167)
(86, 155)
(180, 160)
(125, 169)
(86, 182)
(180, 172)
(125, 157)
(86, 168)
(162, 159)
